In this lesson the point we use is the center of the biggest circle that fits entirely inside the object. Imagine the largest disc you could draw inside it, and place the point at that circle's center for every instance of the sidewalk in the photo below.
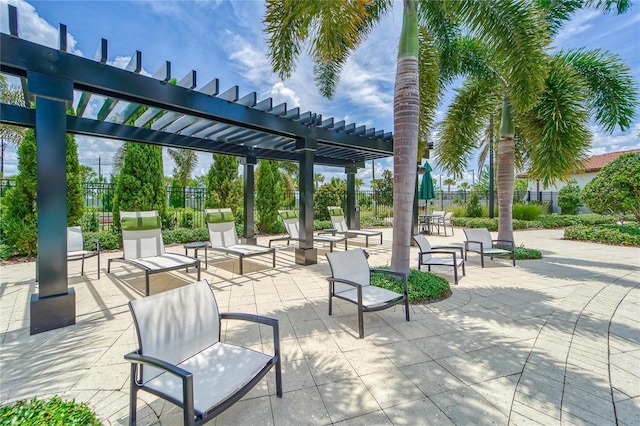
(551, 341)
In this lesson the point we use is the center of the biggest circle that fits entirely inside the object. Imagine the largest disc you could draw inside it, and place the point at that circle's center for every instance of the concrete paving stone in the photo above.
(347, 399)
(383, 335)
(534, 414)
(320, 345)
(467, 369)
(309, 408)
(420, 412)
(628, 411)
(588, 416)
(391, 387)
(309, 328)
(367, 361)
(402, 354)
(255, 411)
(549, 405)
(111, 377)
(602, 407)
(517, 419)
(570, 418)
(330, 368)
(623, 381)
(412, 330)
(347, 341)
(431, 378)
(462, 407)
(378, 418)
(295, 375)
(501, 361)
(437, 347)
(498, 392)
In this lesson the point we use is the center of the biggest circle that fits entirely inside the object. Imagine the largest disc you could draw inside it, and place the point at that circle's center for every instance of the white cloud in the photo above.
(576, 26)
(280, 93)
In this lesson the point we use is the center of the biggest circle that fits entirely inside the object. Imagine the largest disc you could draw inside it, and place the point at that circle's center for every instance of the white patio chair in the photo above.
(224, 238)
(351, 281)
(143, 246)
(479, 241)
(182, 359)
(340, 226)
(439, 256)
(76, 248)
(291, 222)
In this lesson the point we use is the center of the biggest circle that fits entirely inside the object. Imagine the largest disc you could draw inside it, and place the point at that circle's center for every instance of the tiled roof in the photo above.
(595, 163)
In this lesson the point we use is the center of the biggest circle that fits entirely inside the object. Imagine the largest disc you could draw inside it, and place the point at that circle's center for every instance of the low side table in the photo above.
(196, 246)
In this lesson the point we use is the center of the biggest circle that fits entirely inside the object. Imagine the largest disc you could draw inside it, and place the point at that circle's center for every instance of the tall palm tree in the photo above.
(553, 136)
(318, 178)
(334, 29)
(186, 161)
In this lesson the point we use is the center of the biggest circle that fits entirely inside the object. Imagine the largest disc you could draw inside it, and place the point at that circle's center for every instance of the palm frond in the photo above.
(460, 129)
(614, 95)
(558, 126)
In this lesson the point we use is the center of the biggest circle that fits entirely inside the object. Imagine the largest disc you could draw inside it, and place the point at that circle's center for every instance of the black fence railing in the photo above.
(370, 203)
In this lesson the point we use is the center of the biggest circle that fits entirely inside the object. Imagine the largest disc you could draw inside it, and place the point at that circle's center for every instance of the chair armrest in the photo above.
(466, 244)
(511, 243)
(97, 241)
(137, 358)
(343, 281)
(398, 274)
(260, 319)
(448, 247)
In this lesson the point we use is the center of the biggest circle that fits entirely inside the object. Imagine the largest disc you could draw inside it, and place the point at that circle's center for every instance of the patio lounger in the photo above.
(181, 356)
(224, 238)
(479, 241)
(439, 256)
(350, 281)
(340, 226)
(143, 246)
(291, 221)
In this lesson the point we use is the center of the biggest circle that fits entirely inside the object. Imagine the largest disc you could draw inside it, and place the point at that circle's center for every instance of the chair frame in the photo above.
(490, 251)
(187, 260)
(344, 230)
(237, 251)
(331, 239)
(454, 261)
(401, 298)
(191, 416)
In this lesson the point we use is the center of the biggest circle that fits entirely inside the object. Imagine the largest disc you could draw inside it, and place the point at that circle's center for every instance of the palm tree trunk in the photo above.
(506, 172)
(406, 111)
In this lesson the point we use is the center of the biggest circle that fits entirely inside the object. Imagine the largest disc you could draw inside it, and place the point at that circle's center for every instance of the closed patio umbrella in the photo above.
(426, 191)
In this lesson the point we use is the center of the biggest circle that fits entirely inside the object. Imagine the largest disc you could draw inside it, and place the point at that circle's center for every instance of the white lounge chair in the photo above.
(181, 356)
(291, 221)
(351, 281)
(439, 256)
(143, 246)
(224, 238)
(340, 226)
(479, 241)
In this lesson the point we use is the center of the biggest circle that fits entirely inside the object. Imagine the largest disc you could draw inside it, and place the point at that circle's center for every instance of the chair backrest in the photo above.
(423, 245)
(222, 227)
(75, 240)
(438, 213)
(447, 217)
(291, 221)
(176, 324)
(337, 218)
(350, 265)
(141, 234)
(478, 234)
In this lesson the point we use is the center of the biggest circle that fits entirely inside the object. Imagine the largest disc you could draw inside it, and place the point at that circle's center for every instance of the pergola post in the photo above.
(249, 163)
(351, 197)
(54, 306)
(306, 254)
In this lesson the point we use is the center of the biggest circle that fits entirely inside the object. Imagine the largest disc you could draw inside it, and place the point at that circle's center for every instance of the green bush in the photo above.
(627, 235)
(270, 196)
(54, 411)
(522, 211)
(109, 240)
(170, 219)
(327, 195)
(184, 235)
(473, 208)
(187, 218)
(90, 221)
(423, 286)
(523, 253)
(569, 197)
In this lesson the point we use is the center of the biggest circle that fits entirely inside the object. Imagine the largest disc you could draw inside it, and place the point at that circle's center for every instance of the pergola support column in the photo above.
(306, 254)
(249, 163)
(54, 306)
(351, 197)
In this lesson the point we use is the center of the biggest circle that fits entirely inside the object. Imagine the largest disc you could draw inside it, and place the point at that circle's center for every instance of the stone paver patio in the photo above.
(552, 341)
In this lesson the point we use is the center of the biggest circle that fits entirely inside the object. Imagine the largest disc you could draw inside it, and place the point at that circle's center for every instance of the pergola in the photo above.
(182, 115)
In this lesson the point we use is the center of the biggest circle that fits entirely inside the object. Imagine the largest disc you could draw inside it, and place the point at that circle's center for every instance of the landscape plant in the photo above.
(424, 287)
(224, 187)
(270, 195)
(569, 197)
(616, 188)
(54, 411)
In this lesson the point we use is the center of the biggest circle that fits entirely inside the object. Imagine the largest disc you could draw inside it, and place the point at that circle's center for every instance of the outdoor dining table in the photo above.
(424, 222)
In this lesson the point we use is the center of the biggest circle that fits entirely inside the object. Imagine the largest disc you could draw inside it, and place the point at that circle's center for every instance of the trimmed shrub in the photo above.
(569, 197)
(423, 286)
(269, 196)
(522, 211)
(90, 220)
(627, 235)
(473, 208)
(54, 411)
(327, 195)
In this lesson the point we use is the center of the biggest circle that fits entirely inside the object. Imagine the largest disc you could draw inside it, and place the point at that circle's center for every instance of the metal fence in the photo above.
(371, 203)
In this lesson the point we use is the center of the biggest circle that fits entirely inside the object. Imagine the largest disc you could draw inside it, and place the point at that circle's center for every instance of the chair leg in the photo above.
(360, 322)
(406, 307)
(199, 265)
(146, 284)
(455, 274)
(482, 259)
(330, 297)
(274, 259)
(133, 396)
(240, 262)
(82, 266)
(98, 256)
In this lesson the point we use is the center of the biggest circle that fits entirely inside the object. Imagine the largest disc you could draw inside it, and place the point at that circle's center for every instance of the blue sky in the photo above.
(224, 39)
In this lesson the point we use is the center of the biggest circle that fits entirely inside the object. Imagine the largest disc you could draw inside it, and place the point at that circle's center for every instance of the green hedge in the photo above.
(543, 222)
(423, 286)
(627, 235)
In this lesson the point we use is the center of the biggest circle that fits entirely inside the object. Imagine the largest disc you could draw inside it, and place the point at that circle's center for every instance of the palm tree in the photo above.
(449, 182)
(553, 134)
(318, 178)
(186, 161)
(9, 135)
(334, 29)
